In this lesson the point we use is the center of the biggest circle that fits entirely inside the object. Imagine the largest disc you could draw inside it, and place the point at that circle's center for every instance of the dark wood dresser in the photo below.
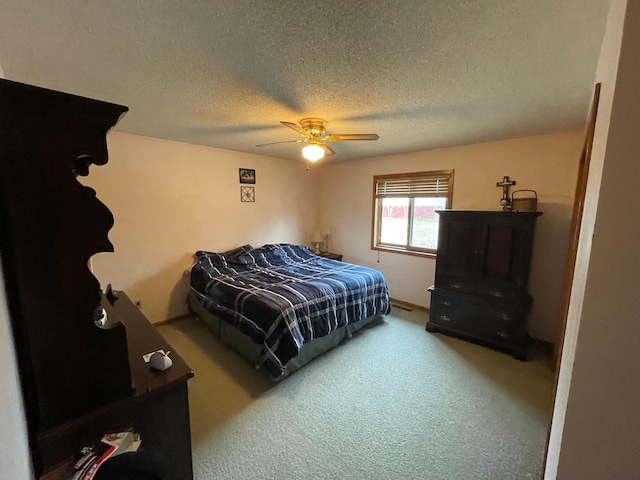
(78, 381)
(482, 271)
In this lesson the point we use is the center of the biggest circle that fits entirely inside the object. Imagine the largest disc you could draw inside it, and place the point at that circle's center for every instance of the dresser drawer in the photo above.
(497, 323)
(456, 284)
(492, 290)
(505, 293)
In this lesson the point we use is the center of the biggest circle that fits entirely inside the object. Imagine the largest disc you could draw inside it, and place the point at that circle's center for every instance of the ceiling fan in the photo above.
(314, 133)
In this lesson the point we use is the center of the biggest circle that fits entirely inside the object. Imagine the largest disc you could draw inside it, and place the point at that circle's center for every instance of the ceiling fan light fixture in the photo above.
(313, 152)
(313, 131)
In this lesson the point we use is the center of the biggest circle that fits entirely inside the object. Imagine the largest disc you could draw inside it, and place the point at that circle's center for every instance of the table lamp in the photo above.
(317, 239)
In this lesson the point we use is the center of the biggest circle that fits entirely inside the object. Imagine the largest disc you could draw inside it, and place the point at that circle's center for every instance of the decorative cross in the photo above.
(505, 184)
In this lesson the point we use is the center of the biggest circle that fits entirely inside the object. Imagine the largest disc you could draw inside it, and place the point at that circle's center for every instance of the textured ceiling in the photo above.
(420, 73)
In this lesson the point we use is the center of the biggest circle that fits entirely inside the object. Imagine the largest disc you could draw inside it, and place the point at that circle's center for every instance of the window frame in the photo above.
(407, 249)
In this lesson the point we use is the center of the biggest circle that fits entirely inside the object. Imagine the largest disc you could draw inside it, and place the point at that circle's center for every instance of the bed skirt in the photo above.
(252, 351)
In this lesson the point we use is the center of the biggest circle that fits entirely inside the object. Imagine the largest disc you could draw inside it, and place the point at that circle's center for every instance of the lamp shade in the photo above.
(313, 152)
(317, 237)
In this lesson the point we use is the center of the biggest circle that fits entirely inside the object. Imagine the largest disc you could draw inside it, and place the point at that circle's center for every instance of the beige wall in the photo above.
(596, 423)
(547, 164)
(170, 199)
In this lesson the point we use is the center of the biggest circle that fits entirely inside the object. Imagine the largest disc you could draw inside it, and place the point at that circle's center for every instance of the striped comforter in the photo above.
(283, 296)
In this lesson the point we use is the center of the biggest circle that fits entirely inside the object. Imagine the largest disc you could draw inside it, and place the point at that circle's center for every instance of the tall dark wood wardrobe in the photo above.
(482, 276)
(78, 381)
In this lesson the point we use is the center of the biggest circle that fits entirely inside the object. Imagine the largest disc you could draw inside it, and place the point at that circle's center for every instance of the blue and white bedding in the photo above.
(283, 296)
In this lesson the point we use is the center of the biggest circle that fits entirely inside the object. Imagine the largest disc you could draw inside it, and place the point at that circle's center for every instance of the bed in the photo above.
(281, 305)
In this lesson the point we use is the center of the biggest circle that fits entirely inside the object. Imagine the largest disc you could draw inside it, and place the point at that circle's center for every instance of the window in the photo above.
(404, 205)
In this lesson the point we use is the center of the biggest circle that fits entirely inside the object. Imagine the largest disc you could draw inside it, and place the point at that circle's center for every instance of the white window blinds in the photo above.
(420, 185)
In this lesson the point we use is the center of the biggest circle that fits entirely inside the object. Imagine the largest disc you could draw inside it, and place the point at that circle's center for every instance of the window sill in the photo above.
(402, 251)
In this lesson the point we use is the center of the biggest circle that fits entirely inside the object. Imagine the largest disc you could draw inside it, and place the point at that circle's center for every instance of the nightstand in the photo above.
(332, 256)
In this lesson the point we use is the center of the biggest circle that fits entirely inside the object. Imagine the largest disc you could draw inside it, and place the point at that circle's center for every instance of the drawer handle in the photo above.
(502, 333)
(444, 318)
(497, 293)
(456, 286)
(505, 316)
(446, 303)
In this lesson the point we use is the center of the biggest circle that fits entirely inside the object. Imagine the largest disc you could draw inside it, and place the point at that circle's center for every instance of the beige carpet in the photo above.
(394, 402)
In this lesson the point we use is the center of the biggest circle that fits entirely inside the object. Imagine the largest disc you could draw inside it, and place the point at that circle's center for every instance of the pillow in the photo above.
(270, 255)
(229, 254)
(239, 252)
(298, 252)
(239, 259)
(271, 247)
(201, 254)
(239, 256)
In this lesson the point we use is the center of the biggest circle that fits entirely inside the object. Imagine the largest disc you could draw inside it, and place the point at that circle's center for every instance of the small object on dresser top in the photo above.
(158, 360)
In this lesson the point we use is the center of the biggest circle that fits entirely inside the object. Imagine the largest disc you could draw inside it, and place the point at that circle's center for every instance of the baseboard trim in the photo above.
(402, 303)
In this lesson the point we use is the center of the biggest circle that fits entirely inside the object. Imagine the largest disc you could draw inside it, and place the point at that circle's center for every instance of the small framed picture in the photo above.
(247, 175)
(247, 194)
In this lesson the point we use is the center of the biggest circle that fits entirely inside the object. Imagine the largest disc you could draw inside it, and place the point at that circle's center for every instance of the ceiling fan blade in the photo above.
(296, 127)
(327, 149)
(352, 136)
(276, 143)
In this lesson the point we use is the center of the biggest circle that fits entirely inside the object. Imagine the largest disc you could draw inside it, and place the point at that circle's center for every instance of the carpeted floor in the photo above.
(394, 402)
